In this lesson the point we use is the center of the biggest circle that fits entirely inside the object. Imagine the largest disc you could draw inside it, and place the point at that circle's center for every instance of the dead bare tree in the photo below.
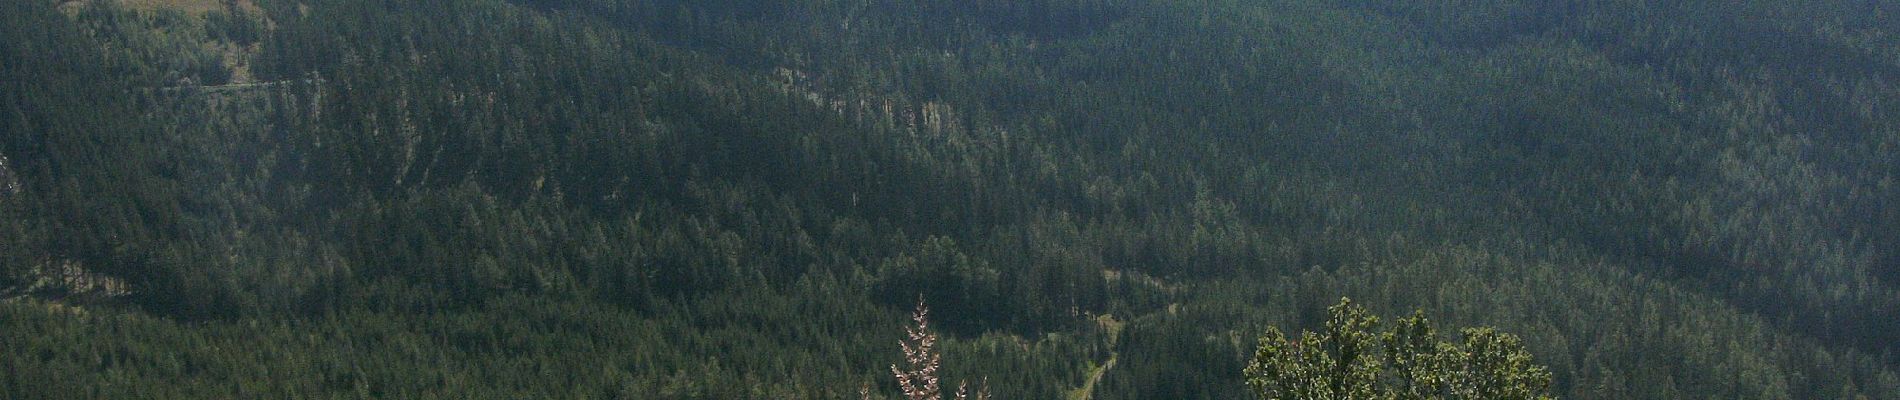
(920, 382)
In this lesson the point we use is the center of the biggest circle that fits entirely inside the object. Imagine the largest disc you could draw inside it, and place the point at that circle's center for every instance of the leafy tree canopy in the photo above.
(1353, 359)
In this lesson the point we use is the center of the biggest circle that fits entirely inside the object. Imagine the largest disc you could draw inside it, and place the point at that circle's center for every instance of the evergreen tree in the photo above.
(1353, 359)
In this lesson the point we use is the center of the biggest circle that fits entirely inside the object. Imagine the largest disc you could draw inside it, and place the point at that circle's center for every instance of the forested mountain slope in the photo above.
(742, 199)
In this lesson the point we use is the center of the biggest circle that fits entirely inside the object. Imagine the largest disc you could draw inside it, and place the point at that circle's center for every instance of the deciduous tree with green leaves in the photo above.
(1352, 359)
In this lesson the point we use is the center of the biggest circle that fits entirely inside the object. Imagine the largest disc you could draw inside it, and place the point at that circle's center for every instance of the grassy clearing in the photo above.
(194, 7)
(187, 6)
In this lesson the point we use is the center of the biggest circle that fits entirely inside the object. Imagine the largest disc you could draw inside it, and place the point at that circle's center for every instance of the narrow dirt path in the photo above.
(238, 86)
(1088, 388)
(1114, 328)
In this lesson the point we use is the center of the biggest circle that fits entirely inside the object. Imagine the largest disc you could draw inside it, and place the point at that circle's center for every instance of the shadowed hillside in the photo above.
(1101, 199)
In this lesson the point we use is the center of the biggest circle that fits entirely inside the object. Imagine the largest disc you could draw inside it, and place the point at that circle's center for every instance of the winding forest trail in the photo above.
(1088, 388)
(1114, 328)
(238, 86)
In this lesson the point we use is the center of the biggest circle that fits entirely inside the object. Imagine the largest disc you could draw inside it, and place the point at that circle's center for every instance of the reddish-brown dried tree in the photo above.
(920, 382)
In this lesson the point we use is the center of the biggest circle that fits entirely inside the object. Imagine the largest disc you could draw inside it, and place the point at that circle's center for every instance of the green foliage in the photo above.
(739, 199)
(1352, 359)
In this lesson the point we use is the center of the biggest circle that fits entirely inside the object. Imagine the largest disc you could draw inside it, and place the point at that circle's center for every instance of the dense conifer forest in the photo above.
(1099, 199)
